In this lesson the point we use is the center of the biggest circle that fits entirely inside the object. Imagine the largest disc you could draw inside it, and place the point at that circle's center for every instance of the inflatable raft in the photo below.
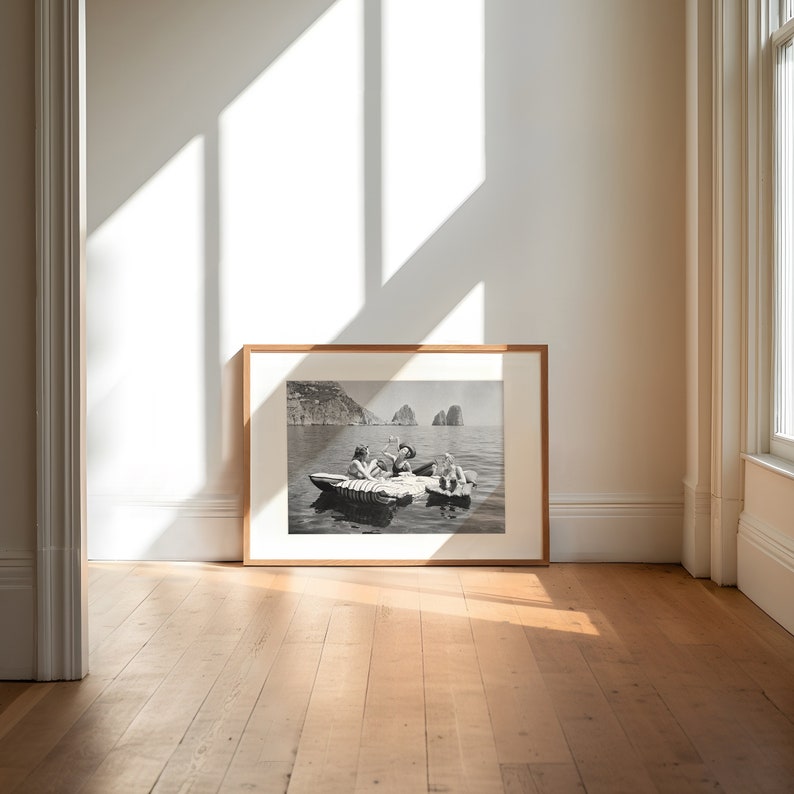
(392, 491)
(460, 496)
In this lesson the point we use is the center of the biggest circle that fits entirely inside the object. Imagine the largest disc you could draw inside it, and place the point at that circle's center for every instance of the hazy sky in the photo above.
(480, 400)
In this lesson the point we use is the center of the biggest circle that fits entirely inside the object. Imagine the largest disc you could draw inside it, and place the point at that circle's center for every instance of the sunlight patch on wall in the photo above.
(433, 118)
(464, 324)
(291, 191)
(144, 336)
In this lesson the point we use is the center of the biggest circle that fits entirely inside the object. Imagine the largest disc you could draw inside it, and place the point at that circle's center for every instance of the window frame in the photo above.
(781, 37)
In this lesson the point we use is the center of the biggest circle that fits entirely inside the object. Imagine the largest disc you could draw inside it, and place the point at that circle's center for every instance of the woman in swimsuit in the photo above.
(362, 469)
(450, 475)
(399, 462)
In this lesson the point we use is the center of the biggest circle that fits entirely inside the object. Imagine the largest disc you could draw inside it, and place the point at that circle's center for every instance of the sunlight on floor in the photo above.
(438, 590)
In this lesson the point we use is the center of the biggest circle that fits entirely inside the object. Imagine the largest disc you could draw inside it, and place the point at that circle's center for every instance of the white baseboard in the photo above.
(193, 528)
(696, 546)
(766, 568)
(616, 527)
(583, 528)
(17, 618)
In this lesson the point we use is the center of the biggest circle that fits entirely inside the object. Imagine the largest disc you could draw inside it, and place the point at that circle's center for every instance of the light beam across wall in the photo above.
(291, 190)
(433, 122)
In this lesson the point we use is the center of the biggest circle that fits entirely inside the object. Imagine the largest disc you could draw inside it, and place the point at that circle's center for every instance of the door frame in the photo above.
(61, 630)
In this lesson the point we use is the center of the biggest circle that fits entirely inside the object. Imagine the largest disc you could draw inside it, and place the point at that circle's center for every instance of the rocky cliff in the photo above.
(325, 403)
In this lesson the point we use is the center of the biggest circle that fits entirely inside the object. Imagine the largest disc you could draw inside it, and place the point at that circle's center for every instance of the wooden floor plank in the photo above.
(202, 759)
(680, 664)
(656, 736)
(461, 751)
(106, 577)
(265, 753)
(39, 748)
(116, 640)
(556, 778)
(19, 698)
(40, 731)
(522, 715)
(541, 779)
(328, 754)
(393, 751)
(219, 677)
(517, 779)
(604, 755)
(138, 705)
(123, 595)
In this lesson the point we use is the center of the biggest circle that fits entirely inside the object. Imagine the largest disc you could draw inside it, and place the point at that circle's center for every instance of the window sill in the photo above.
(784, 468)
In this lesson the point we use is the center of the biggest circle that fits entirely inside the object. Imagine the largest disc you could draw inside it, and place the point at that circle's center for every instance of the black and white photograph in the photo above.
(395, 454)
(395, 457)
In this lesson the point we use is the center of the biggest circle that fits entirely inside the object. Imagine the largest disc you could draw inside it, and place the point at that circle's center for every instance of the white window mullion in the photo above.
(784, 245)
(787, 143)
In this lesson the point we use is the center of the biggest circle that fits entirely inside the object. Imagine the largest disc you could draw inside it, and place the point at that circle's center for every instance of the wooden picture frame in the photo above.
(302, 506)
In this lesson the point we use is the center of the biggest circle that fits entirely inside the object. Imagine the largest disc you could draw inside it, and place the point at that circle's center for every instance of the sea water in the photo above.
(329, 449)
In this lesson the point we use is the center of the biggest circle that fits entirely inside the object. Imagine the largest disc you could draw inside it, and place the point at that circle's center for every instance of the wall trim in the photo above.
(696, 546)
(61, 628)
(17, 569)
(615, 503)
(198, 505)
(729, 257)
(17, 582)
(615, 527)
(779, 466)
(778, 546)
(766, 568)
(696, 552)
(157, 527)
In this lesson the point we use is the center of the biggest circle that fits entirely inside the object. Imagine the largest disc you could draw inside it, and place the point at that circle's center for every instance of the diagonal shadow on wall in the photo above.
(191, 60)
(161, 76)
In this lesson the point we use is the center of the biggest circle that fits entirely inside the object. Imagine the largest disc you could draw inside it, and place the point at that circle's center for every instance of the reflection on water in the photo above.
(349, 516)
(329, 449)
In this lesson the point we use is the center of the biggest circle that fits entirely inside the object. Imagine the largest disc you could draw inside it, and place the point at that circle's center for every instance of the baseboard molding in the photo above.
(696, 547)
(17, 618)
(612, 527)
(766, 568)
(16, 569)
(205, 527)
(583, 528)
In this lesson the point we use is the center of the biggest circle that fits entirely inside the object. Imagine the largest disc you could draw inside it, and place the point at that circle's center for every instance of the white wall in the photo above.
(315, 171)
(17, 340)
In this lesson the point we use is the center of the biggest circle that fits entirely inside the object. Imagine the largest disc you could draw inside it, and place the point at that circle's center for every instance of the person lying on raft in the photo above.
(361, 468)
(399, 462)
(450, 475)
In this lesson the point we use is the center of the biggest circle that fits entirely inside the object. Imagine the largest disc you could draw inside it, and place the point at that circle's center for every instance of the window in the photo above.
(783, 58)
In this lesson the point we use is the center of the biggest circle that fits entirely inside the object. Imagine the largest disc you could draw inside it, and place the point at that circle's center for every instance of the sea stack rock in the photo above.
(440, 418)
(455, 416)
(405, 416)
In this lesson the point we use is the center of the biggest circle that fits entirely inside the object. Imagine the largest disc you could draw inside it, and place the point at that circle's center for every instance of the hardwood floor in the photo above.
(597, 678)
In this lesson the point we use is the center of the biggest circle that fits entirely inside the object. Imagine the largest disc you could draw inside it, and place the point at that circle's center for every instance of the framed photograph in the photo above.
(396, 454)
